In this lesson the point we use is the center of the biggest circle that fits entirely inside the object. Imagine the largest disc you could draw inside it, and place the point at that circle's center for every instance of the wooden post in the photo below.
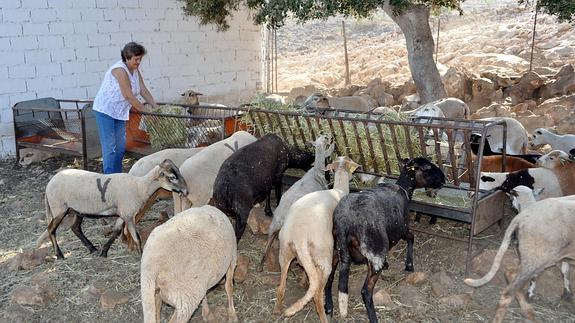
(347, 78)
(533, 39)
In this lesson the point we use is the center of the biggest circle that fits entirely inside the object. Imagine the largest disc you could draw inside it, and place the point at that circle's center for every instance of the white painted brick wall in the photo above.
(62, 48)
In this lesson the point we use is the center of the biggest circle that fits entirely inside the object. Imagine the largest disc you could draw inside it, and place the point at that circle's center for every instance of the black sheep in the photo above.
(248, 176)
(369, 223)
(475, 141)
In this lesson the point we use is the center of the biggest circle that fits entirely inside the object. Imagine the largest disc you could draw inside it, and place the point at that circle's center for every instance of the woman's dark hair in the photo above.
(132, 49)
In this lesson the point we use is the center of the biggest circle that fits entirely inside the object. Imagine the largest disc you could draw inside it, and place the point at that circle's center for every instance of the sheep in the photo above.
(542, 136)
(248, 176)
(200, 170)
(521, 198)
(191, 97)
(87, 194)
(451, 108)
(320, 102)
(369, 223)
(33, 155)
(563, 168)
(517, 136)
(177, 155)
(534, 178)
(185, 257)
(545, 232)
(475, 141)
(313, 180)
(307, 236)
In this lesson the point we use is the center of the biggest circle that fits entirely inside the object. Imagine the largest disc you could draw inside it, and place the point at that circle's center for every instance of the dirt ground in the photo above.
(21, 222)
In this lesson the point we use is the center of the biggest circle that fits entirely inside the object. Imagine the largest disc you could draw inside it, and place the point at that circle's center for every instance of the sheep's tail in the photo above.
(44, 236)
(149, 294)
(497, 261)
(312, 270)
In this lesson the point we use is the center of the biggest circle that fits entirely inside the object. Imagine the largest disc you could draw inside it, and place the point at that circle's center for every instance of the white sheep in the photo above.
(538, 178)
(521, 198)
(563, 167)
(185, 257)
(177, 155)
(307, 235)
(542, 136)
(517, 136)
(82, 193)
(313, 180)
(545, 232)
(200, 170)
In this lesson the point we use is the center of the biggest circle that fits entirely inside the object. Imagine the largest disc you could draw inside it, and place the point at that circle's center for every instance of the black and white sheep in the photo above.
(545, 233)
(185, 257)
(248, 176)
(369, 223)
(475, 140)
(82, 194)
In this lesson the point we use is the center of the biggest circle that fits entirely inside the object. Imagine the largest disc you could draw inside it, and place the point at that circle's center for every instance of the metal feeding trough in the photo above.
(64, 126)
(379, 144)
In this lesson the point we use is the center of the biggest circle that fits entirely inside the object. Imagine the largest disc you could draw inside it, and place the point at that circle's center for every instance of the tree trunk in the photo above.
(414, 23)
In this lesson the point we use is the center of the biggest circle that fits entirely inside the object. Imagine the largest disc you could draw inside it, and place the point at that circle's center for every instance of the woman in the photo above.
(122, 84)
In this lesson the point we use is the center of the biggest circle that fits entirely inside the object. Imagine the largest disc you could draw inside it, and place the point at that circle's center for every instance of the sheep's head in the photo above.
(191, 97)
(536, 139)
(425, 173)
(521, 194)
(516, 178)
(572, 154)
(300, 158)
(171, 179)
(553, 159)
(343, 163)
(31, 155)
(317, 102)
(324, 145)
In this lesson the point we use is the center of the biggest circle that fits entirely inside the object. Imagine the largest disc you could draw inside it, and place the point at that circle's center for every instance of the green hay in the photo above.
(356, 146)
(166, 132)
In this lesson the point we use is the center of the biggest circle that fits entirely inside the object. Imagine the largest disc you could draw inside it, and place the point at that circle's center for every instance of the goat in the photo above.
(564, 169)
(369, 223)
(517, 136)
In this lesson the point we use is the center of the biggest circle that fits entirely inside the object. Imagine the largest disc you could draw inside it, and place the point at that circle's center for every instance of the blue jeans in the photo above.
(112, 133)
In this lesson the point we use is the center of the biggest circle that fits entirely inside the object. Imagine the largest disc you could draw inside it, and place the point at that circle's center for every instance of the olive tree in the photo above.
(412, 16)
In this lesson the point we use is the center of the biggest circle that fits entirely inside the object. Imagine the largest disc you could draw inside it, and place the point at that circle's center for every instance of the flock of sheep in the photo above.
(322, 228)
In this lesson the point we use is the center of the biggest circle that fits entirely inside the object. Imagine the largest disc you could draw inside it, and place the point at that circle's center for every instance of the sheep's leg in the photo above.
(313, 274)
(278, 191)
(77, 229)
(158, 301)
(343, 290)
(319, 295)
(118, 227)
(328, 299)
(417, 217)
(182, 314)
(409, 258)
(241, 220)
(52, 226)
(132, 229)
(232, 317)
(567, 294)
(531, 288)
(268, 249)
(509, 293)
(205, 309)
(268, 208)
(285, 257)
(367, 291)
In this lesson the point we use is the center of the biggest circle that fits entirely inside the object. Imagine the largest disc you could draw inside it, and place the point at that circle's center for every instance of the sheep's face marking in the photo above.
(103, 188)
(514, 179)
(171, 179)
(536, 140)
(316, 101)
(572, 154)
(324, 145)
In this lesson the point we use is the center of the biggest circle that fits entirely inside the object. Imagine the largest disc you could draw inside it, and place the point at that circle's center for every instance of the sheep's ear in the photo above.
(330, 167)
(513, 193)
(404, 161)
(353, 166)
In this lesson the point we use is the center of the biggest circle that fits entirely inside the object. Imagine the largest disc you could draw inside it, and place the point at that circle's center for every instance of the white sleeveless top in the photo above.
(110, 100)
